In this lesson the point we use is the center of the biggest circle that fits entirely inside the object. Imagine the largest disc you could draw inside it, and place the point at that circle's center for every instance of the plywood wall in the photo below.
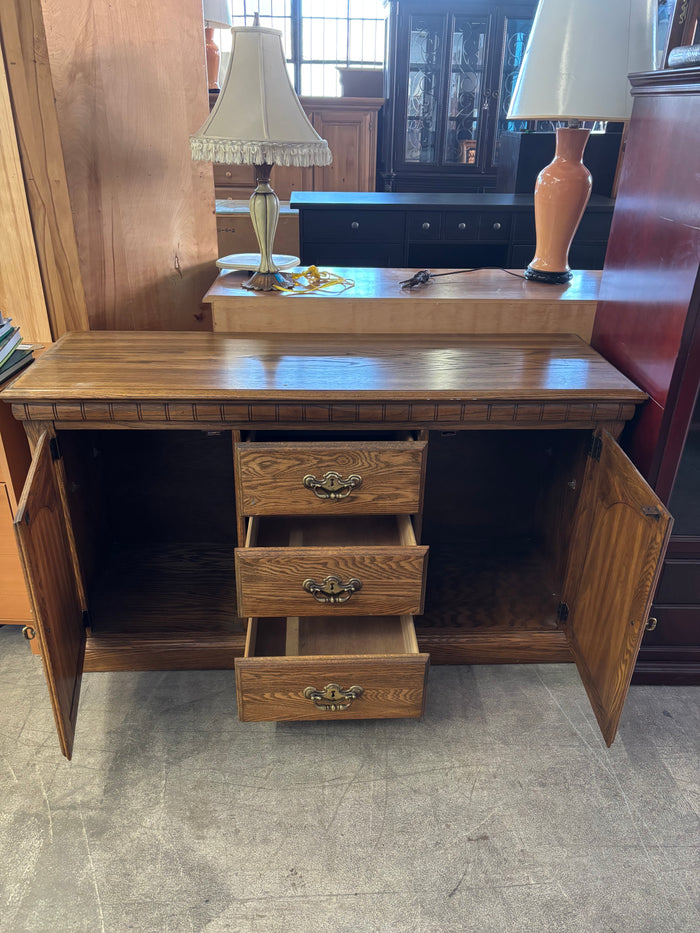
(40, 281)
(21, 292)
(130, 87)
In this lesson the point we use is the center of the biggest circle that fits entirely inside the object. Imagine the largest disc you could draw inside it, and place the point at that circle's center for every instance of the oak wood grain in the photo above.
(393, 683)
(270, 477)
(142, 369)
(616, 558)
(44, 545)
(270, 576)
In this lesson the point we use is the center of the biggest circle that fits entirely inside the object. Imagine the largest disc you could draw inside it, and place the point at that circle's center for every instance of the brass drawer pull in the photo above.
(333, 697)
(332, 589)
(29, 633)
(332, 485)
(652, 622)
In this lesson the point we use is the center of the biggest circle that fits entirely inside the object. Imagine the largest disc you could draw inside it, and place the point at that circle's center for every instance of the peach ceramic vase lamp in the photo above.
(217, 15)
(575, 69)
(258, 120)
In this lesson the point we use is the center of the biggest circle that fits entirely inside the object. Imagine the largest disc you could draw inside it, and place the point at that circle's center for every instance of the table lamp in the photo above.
(575, 68)
(217, 15)
(258, 120)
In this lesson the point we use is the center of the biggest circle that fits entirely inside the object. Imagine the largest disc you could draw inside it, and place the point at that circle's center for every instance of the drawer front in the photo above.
(680, 583)
(367, 580)
(424, 225)
(272, 689)
(494, 225)
(298, 683)
(353, 226)
(226, 176)
(461, 226)
(336, 478)
(353, 255)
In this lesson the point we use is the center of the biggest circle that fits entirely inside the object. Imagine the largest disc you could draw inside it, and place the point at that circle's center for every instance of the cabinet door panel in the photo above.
(620, 537)
(41, 532)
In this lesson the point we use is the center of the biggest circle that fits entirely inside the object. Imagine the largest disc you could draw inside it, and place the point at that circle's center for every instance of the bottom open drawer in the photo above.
(326, 668)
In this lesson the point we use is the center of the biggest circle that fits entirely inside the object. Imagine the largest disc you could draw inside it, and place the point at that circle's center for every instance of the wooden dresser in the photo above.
(363, 501)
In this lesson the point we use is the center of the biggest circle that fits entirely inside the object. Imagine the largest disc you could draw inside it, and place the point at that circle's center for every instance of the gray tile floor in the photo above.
(500, 811)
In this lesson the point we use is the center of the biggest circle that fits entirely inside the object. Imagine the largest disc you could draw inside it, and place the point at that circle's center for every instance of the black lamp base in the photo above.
(549, 278)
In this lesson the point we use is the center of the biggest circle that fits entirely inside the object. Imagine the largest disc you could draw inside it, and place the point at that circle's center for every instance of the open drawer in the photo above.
(321, 668)
(300, 477)
(369, 565)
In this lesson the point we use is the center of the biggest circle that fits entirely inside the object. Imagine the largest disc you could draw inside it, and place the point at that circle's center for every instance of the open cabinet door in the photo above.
(620, 536)
(40, 526)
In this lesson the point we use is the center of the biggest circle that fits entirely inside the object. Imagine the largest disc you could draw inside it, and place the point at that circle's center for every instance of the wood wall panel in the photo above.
(130, 89)
(44, 178)
(21, 292)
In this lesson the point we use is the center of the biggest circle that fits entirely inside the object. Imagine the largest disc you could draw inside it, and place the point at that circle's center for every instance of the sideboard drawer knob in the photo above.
(462, 226)
(354, 225)
(496, 226)
(426, 225)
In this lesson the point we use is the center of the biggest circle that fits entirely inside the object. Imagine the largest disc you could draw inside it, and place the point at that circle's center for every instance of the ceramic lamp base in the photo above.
(550, 278)
(561, 194)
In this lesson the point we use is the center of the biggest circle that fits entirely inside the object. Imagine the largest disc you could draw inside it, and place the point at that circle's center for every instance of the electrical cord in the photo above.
(424, 276)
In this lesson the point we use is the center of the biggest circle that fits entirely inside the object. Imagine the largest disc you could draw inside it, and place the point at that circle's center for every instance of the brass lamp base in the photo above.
(267, 281)
(264, 213)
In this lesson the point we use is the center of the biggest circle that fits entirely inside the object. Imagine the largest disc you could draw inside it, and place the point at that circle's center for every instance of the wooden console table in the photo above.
(487, 301)
(467, 491)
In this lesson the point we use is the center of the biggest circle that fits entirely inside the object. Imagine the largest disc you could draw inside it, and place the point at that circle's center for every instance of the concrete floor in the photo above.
(500, 811)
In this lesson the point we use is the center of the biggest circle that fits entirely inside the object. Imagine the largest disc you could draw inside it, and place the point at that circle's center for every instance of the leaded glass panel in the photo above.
(423, 88)
(466, 100)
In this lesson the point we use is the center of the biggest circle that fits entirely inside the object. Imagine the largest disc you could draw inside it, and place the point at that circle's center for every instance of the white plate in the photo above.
(251, 261)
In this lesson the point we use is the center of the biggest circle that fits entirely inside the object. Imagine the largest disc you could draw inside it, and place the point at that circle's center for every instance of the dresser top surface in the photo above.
(127, 365)
(372, 284)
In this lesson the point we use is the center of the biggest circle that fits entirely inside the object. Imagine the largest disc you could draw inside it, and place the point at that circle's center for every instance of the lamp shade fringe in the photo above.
(246, 152)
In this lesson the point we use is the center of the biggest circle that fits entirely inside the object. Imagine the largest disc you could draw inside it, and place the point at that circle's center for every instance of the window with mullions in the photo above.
(319, 36)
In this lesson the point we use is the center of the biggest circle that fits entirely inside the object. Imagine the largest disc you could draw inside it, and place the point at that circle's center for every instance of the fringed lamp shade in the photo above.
(257, 118)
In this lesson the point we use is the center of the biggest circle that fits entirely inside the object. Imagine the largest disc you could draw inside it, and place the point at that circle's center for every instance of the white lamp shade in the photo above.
(578, 57)
(257, 117)
(217, 13)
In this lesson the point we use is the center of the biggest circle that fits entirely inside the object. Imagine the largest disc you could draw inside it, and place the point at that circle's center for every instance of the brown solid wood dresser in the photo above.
(325, 513)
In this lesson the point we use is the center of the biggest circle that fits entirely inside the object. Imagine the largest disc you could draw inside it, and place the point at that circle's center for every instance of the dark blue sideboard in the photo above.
(440, 230)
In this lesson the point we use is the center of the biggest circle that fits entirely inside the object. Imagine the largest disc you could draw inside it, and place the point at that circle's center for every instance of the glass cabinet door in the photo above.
(424, 71)
(517, 32)
(468, 100)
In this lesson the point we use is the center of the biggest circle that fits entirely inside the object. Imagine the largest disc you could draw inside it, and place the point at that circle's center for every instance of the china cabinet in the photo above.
(451, 70)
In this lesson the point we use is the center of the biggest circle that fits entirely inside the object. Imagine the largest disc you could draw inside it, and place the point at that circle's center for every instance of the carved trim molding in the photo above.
(440, 413)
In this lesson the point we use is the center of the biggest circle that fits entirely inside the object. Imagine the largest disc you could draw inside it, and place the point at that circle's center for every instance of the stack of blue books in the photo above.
(13, 353)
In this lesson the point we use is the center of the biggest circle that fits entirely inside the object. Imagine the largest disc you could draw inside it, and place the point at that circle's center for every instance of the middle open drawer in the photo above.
(354, 565)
